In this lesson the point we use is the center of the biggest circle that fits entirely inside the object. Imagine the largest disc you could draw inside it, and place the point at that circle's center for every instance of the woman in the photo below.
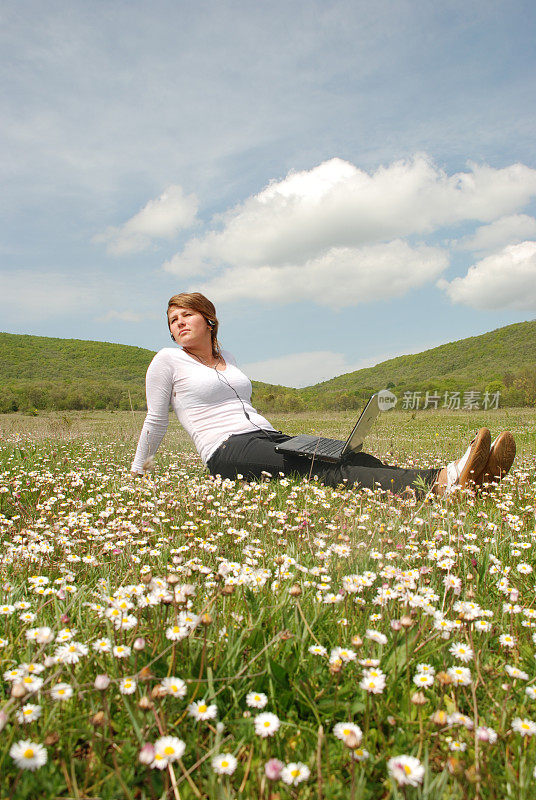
(212, 399)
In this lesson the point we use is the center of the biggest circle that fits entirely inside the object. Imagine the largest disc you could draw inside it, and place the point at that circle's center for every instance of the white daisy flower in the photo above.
(348, 732)
(28, 713)
(294, 773)
(168, 749)
(256, 699)
(61, 691)
(201, 710)
(266, 724)
(406, 770)
(526, 727)
(224, 764)
(127, 686)
(174, 686)
(28, 755)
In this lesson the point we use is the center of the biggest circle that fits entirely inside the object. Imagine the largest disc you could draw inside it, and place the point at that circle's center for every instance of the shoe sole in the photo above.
(478, 459)
(500, 458)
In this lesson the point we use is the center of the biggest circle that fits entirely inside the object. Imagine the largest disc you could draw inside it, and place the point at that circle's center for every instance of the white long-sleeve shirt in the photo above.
(203, 400)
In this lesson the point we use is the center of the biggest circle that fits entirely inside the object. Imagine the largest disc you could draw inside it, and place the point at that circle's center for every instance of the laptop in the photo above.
(334, 450)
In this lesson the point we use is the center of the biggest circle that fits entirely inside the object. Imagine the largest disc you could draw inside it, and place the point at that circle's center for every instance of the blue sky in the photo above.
(348, 181)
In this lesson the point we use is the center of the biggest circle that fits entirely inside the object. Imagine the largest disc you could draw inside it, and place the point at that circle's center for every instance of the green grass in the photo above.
(268, 563)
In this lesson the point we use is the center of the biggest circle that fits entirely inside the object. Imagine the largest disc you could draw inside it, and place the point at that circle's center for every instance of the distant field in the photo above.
(397, 435)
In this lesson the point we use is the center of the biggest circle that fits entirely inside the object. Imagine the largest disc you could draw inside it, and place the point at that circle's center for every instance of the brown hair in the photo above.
(198, 302)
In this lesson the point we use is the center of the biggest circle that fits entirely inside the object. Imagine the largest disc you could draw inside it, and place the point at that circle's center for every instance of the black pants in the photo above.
(252, 454)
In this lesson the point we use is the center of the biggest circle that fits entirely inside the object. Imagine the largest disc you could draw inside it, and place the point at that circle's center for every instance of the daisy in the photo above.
(256, 699)
(514, 672)
(266, 724)
(373, 681)
(176, 632)
(343, 654)
(168, 749)
(426, 668)
(121, 651)
(423, 679)
(406, 770)
(376, 636)
(294, 773)
(224, 764)
(61, 691)
(32, 683)
(174, 686)
(461, 676)
(28, 713)
(360, 754)
(507, 640)
(13, 674)
(461, 651)
(457, 747)
(526, 727)
(201, 710)
(485, 734)
(318, 650)
(530, 691)
(71, 653)
(28, 755)
(348, 731)
(127, 686)
(102, 645)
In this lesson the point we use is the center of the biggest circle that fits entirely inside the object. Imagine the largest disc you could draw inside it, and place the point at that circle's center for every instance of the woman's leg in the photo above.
(254, 454)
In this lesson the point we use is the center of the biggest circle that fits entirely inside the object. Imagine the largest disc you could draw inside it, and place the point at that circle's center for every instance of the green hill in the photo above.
(38, 372)
(505, 356)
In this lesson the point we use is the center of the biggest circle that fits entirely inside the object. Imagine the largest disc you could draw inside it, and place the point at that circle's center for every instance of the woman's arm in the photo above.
(158, 388)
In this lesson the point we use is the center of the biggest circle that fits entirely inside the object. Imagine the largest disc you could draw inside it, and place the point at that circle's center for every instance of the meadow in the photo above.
(179, 636)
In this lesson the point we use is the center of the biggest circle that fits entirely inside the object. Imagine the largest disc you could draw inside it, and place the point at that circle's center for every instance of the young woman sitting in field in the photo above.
(212, 399)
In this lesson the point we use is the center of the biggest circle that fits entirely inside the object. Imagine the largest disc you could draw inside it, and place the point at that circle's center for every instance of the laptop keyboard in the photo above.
(323, 447)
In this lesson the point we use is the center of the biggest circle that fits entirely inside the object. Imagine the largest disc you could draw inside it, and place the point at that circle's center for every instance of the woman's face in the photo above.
(189, 328)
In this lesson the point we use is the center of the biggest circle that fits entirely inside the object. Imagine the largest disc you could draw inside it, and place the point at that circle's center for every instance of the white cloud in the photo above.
(337, 205)
(505, 280)
(338, 278)
(161, 218)
(506, 230)
(302, 369)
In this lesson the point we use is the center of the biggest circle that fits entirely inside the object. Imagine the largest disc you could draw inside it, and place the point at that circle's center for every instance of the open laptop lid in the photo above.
(354, 443)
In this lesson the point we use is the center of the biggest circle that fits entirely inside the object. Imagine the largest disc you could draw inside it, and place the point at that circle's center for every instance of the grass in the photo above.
(228, 586)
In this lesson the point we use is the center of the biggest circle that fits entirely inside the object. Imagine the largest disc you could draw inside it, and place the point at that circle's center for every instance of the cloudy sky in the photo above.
(347, 180)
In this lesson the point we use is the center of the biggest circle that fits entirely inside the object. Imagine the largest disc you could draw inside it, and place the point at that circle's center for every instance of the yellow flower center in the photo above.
(267, 724)
(225, 764)
(294, 772)
(347, 731)
(168, 751)
(202, 708)
(407, 769)
(28, 753)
